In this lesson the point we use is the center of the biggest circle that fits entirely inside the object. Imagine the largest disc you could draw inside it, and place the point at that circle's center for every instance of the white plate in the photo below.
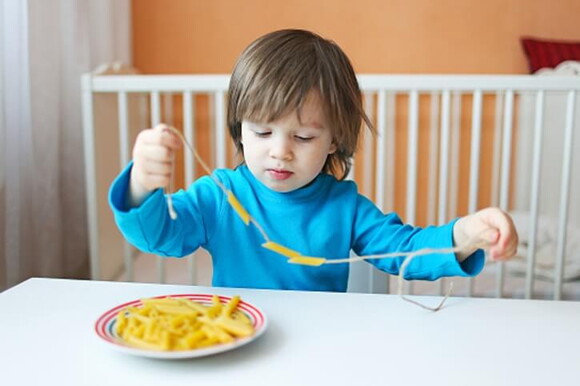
(105, 329)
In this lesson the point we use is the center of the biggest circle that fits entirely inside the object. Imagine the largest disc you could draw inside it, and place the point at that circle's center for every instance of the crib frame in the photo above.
(380, 91)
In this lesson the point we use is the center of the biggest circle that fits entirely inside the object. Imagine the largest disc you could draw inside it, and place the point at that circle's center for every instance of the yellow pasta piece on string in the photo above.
(307, 260)
(280, 249)
(238, 208)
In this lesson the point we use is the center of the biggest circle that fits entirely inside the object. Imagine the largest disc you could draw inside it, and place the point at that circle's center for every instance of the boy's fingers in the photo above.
(492, 236)
(170, 140)
(509, 239)
(505, 243)
(161, 135)
(153, 167)
(157, 153)
(503, 250)
(168, 136)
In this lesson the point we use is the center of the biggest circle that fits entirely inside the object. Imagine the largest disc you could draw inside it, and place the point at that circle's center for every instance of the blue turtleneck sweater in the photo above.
(327, 218)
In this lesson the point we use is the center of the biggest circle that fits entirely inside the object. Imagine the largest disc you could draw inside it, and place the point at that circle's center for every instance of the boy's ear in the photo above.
(332, 149)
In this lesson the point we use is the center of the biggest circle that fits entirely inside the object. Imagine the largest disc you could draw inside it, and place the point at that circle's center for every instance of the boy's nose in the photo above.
(281, 149)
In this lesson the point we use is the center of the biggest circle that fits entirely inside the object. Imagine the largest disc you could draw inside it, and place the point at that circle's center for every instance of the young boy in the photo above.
(295, 113)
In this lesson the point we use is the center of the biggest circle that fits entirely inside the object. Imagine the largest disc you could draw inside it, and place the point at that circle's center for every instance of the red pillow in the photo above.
(549, 53)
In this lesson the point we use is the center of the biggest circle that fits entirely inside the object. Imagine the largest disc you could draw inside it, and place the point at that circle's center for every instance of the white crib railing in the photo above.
(451, 121)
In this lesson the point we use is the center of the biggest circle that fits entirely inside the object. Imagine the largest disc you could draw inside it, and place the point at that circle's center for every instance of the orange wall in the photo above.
(387, 36)
(380, 36)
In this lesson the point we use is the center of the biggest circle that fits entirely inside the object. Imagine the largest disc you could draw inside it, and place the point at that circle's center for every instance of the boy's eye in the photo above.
(304, 138)
(262, 133)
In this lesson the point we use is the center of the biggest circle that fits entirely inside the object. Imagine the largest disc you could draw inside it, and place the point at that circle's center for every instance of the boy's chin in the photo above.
(284, 187)
(281, 189)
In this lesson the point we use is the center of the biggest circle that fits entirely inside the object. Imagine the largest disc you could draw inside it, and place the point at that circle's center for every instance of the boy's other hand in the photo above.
(153, 156)
(490, 226)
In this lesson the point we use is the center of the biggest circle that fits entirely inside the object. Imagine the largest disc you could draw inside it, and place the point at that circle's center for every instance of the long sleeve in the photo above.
(149, 226)
(378, 233)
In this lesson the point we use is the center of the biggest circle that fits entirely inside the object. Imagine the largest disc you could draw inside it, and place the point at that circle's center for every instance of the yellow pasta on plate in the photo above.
(181, 326)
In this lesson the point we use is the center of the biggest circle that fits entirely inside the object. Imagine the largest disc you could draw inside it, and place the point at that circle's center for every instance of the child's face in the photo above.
(288, 153)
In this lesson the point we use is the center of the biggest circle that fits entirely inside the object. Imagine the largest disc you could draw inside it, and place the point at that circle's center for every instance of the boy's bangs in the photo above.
(271, 99)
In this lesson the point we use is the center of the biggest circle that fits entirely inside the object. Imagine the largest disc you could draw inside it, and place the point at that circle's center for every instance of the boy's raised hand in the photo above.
(153, 155)
(490, 226)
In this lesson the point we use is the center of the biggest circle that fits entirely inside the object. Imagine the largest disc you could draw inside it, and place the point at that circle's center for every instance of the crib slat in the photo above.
(474, 161)
(443, 166)
(155, 120)
(505, 175)
(123, 128)
(564, 194)
(535, 194)
(155, 101)
(454, 162)
(188, 133)
(496, 151)
(380, 149)
(124, 160)
(381, 171)
(220, 129)
(367, 178)
(167, 99)
(350, 175)
(390, 149)
(475, 151)
(412, 146)
(433, 156)
(463, 83)
(444, 158)
(412, 164)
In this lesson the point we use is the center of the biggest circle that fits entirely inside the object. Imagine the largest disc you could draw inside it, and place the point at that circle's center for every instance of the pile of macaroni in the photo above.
(172, 324)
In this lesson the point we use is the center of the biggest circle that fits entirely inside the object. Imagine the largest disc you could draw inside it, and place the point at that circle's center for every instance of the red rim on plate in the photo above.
(105, 326)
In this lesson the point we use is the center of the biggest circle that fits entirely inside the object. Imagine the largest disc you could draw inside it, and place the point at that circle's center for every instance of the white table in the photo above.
(47, 338)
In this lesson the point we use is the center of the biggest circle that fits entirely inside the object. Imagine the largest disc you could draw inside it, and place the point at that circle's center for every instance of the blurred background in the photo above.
(46, 45)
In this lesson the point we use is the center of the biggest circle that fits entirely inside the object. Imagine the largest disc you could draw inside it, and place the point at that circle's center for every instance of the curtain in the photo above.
(45, 46)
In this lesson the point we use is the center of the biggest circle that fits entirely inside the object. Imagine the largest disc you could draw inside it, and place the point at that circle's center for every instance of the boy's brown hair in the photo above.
(273, 77)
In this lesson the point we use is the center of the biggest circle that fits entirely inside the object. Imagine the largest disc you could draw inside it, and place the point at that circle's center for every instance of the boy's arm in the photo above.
(379, 233)
(149, 227)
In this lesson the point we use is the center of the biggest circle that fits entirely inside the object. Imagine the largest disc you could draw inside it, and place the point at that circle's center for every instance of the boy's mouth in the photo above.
(279, 174)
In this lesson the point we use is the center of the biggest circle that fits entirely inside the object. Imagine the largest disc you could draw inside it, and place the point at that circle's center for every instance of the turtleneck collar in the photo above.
(313, 189)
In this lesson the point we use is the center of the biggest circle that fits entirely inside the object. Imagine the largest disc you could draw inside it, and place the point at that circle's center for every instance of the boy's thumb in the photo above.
(491, 236)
